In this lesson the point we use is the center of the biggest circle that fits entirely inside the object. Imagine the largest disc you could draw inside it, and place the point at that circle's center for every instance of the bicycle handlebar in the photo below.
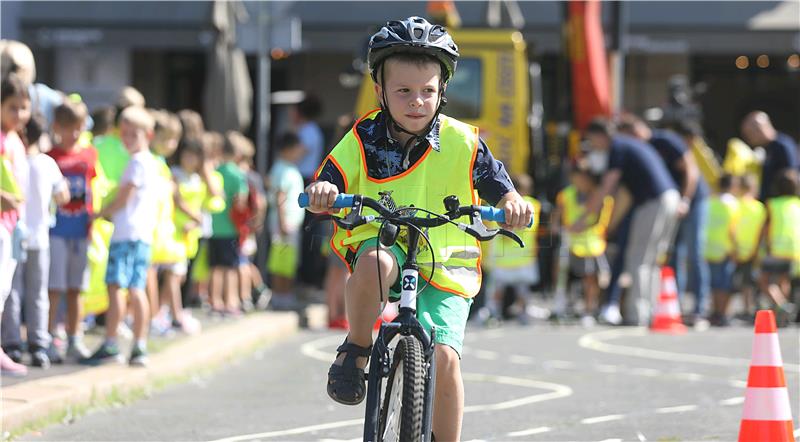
(346, 200)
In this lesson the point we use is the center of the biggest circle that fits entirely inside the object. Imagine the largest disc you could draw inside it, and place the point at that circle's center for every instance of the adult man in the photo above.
(626, 160)
(757, 130)
(692, 211)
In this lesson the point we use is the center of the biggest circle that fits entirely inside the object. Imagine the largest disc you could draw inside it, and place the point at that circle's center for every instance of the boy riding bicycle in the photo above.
(407, 153)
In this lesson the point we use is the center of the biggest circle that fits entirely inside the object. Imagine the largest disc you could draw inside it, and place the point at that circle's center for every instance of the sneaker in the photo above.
(10, 368)
(107, 353)
(14, 353)
(40, 359)
(77, 351)
(262, 298)
(188, 324)
(247, 306)
(138, 357)
(161, 328)
(54, 354)
(588, 321)
(610, 314)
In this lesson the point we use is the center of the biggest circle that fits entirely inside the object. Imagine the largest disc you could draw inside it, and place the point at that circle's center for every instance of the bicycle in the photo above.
(406, 408)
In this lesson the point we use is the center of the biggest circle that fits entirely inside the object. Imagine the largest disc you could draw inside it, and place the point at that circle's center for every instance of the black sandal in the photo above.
(346, 383)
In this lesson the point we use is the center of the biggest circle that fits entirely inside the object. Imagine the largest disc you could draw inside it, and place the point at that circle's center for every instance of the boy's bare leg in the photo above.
(215, 291)
(172, 291)
(231, 294)
(141, 313)
(335, 282)
(73, 311)
(152, 292)
(245, 282)
(115, 311)
(448, 401)
(361, 298)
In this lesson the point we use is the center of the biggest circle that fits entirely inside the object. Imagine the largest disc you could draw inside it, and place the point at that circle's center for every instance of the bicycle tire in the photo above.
(406, 388)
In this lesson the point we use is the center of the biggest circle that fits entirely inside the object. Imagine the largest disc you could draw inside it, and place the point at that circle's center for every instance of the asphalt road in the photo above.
(535, 383)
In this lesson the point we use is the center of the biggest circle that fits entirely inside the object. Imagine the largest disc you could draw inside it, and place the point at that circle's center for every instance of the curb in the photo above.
(29, 402)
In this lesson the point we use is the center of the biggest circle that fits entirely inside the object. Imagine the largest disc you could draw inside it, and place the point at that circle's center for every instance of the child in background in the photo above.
(133, 212)
(285, 220)
(587, 248)
(45, 183)
(723, 212)
(781, 236)
(198, 193)
(250, 223)
(199, 267)
(223, 247)
(166, 252)
(15, 105)
(752, 215)
(69, 237)
(513, 267)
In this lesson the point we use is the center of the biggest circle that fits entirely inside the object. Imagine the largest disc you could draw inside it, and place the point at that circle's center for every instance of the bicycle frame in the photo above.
(406, 324)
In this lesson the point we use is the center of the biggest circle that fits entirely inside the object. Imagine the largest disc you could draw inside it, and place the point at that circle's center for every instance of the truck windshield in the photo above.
(464, 91)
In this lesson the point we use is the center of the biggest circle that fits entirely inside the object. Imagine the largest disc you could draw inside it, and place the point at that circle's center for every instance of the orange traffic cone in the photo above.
(388, 315)
(767, 414)
(667, 315)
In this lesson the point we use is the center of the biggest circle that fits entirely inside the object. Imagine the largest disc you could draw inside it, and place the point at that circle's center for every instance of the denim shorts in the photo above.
(722, 274)
(446, 311)
(128, 262)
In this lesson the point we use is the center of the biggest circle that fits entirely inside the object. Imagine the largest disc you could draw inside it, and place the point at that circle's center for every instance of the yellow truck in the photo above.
(490, 90)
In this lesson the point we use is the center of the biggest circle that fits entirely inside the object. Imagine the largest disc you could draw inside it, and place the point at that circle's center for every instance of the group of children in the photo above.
(142, 214)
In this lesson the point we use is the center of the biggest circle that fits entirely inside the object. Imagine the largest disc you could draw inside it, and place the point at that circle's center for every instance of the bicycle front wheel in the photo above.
(403, 402)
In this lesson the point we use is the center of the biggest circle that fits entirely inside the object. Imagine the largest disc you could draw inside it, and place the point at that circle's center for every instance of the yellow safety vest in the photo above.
(752, 215)
(196, 196)
(425, 185)
(165, 249)
(722, 215)
(784, 227)
(504, 253)
(592, 241)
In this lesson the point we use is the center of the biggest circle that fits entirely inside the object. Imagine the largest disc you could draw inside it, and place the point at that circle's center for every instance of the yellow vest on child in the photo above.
(722, 215)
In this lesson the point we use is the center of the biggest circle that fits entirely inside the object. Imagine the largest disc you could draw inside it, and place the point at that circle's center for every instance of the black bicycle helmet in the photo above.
(413, 35)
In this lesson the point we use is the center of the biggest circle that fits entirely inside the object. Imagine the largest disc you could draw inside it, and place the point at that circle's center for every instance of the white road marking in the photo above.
(737, 383)
(732, 401)
(532, 431)
(485, 354)
(676, 409)
(594, 341)
(688, 376)
(611, 440)
(641, 436)
(519, 359)
(598, 419)
(797, 433)
(558, 364)
(603, 368)
(557, 391)
(651, 372)
(293, 431)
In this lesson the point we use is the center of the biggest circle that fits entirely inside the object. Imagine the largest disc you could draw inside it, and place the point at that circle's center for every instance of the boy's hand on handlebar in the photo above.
(519, 212)
(321, 196)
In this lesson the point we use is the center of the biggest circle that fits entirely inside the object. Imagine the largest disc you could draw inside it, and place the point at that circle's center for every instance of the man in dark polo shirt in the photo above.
(638, 167)
(781, 150)
(688, 257)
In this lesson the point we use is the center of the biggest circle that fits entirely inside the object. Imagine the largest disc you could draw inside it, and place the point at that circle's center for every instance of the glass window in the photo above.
(464, 91)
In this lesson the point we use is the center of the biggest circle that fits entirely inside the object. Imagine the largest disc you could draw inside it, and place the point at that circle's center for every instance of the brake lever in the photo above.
(354, 217)
(512, 235)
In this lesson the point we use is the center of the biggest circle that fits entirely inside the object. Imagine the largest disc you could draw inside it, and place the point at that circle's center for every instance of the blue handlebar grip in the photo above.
(495, 214)
(343, 200)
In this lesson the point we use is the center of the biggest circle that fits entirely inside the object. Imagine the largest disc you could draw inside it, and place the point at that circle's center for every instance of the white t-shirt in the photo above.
(44, 179)
(285, 177)
(137, 220)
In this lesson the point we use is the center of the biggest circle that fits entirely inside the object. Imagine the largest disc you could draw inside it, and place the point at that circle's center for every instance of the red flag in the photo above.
(590, 84)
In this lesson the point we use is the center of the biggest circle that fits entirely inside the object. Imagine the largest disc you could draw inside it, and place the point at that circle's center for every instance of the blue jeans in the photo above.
(687, 258)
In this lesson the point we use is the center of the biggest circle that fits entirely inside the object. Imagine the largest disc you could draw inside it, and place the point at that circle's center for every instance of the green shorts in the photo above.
(444, 310)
